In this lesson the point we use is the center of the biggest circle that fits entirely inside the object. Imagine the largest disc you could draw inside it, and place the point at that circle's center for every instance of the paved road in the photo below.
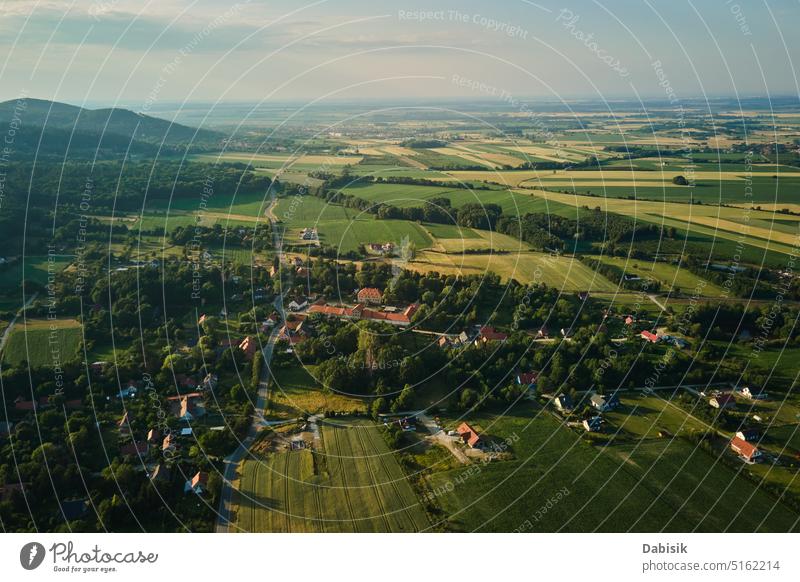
(7, 332)
(232, 462)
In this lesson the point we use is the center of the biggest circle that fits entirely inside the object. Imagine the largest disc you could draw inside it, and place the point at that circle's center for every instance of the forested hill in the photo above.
(52, 128)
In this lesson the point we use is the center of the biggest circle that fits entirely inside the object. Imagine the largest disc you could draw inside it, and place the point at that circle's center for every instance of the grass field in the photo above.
(354, 485)
(32, 342)
(526, 267)
(670, 276)
(344, 228)
(658, 485)
(296, 392)
(35, 271)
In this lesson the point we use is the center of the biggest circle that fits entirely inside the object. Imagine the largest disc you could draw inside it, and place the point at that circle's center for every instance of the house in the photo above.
(563, 403)
(722, 401)
(134, 449)
(249, 347)
(754, 393)
(161, 474)
(168, 443)
(370, 295)
(747, 451)
(302, 272)
(187, 407)
(489, 334)
(583, 295)
(629, 320)
(153, 436)
(528, 379)
(543, 332)
(75, 404)
(124, 425)
(197, 484)
(295, 305)
(20, 404)
(604, 404)
(567, 333)
(594, 424)
(469, 435)
(748, 434)
(649, 336)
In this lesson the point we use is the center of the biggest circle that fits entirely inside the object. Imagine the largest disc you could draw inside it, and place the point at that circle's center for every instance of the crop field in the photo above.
(354, 485)
(274, 161)
(526, 267)
(32, 342)
(670, 276)
(712, 222)
(656, 485)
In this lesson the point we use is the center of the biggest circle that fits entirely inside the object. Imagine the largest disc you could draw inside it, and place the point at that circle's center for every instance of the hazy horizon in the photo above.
(117, 52)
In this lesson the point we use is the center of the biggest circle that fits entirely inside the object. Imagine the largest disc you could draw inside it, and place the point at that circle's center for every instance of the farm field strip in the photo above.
(356, 485)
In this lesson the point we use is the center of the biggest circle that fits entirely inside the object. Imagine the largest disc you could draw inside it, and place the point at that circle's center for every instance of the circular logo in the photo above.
(31, 555)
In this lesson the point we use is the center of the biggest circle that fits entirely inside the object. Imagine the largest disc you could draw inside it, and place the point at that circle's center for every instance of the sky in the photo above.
(143, 54)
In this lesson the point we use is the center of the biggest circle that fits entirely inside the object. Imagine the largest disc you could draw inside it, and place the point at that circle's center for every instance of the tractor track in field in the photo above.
(372, 475)
(253, 509)
(396, 490)
(344, 481)
(287, 509)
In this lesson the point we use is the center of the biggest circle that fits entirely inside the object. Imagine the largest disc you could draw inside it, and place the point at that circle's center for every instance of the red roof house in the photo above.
(468, 434)
(370, 295)
(649, 336)
(747, 451)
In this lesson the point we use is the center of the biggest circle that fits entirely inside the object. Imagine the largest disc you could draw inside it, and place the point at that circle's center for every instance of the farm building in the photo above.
(750, 435)
(469, 435)
(754, 393)
(489, 334)
(649, 336)
(563, 403)
(593, 424)
(745, 450)
(604, 404)
(722, 401)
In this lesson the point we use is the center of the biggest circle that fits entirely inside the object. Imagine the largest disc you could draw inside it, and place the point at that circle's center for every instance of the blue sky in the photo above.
(146, 53)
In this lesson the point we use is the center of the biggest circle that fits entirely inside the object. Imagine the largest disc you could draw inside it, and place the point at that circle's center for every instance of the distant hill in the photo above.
(48, 127)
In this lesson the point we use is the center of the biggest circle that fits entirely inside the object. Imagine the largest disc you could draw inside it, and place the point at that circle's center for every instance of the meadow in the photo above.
(658, 485)
(296, 392)
(344, 228)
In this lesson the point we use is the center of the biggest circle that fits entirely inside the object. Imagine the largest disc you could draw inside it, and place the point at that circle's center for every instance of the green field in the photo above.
(344, 228)
(296, 392)
(354, 485)
(671, 277)
(526, 267)
(32, 342)
(35, 271)
(658, 485)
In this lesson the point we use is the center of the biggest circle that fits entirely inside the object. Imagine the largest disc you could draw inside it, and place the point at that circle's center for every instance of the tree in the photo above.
(680, 181)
